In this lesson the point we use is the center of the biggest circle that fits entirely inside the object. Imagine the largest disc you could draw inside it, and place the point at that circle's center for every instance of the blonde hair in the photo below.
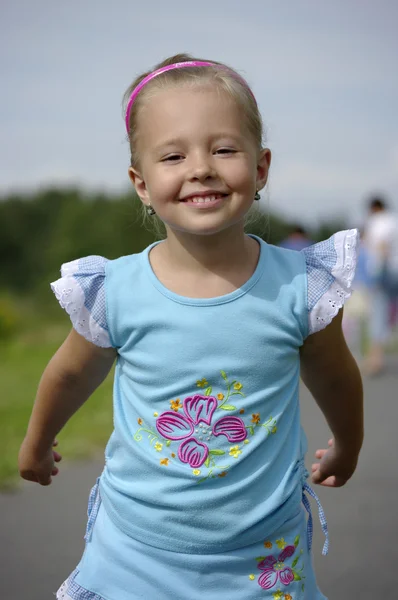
(219, 74)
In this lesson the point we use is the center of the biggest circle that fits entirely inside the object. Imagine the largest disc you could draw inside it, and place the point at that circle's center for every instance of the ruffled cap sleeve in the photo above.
(81, 293)
(330, 267)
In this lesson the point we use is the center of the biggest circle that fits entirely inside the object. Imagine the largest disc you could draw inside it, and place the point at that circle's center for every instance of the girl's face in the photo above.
(199, 167)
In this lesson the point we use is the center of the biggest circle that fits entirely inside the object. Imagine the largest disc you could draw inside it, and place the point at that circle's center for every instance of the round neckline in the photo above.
(230, 297)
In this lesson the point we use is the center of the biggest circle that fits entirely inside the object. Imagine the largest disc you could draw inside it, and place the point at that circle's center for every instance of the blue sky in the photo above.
(325, 76)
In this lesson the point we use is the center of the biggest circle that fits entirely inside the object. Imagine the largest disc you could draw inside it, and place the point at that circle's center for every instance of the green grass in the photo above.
(22, 362)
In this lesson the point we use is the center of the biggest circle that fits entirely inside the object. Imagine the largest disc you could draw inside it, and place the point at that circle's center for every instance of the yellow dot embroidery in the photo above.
(252, 577)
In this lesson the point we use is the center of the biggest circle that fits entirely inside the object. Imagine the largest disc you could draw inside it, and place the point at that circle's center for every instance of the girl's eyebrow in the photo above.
(163, 145)
(228, 135)
(166, 143)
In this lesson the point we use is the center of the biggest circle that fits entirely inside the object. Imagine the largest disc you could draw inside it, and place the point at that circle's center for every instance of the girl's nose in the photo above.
(201, 168)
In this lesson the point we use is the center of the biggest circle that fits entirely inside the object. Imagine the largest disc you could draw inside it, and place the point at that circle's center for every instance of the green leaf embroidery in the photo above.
(209, 474)
(251, 429)
(208, 391)
(168, 442)
(294, 563)
(260, 558)
(224, 375)
(217, 452)
(296, 576)
(207, 462)
(228, 407)
(296, 540)
(302, 588)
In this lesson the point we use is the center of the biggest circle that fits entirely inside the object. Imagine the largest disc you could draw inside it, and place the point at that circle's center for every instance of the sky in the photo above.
(325, 76)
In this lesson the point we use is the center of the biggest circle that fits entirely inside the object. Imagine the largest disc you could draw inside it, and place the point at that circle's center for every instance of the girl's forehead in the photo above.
(185, 107)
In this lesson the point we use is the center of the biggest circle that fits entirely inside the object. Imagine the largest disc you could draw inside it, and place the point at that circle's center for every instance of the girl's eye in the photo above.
(225, 151)
(172, 158)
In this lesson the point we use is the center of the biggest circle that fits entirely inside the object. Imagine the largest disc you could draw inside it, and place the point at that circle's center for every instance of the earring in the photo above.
(150, 211)
(257, 196)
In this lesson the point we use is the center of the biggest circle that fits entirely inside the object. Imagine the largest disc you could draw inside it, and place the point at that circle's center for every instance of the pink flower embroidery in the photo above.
(198, 409)
(274, 569)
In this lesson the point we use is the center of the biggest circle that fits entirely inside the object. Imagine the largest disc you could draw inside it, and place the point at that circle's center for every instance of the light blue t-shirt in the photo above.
(207, 452)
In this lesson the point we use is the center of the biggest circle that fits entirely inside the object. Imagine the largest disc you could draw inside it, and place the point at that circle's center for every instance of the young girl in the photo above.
(204, 489)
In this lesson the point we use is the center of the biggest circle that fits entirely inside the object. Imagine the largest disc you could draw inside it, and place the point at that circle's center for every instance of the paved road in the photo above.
(41, 529)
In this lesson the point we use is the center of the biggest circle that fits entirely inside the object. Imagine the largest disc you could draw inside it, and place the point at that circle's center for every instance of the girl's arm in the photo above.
(71, 376)
(332, 376)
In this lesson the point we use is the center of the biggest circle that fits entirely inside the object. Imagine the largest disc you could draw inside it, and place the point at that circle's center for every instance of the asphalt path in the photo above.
(41, 529)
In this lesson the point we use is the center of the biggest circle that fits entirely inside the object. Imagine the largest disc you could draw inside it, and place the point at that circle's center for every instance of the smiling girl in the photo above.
(204, 492)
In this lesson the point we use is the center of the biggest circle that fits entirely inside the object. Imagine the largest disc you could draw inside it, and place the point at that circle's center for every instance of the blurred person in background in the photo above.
(357, 308)
(381, 243)
(297, 239)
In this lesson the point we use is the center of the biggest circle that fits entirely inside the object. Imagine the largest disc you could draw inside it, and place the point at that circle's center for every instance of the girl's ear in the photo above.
(139, 183)
(263, 164)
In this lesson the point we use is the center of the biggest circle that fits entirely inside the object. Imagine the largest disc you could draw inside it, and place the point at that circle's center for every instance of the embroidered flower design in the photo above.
(238, 386)
(256, 418)
(175, 404)
(274, 570)
(288, 597)
(158, 447)
(281, 543)
(220, 396)
(202, 382)
(235, 451)
(196, 471)
(165, 462)
(199, 412)
(277, 595)
(268, 544)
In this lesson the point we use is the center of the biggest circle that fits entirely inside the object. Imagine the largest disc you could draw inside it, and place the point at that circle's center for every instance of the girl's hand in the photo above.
(38, 466)
(336, 466)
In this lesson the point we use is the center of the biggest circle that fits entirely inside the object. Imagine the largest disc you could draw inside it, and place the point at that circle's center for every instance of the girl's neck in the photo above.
(220, 253)
(205, 266)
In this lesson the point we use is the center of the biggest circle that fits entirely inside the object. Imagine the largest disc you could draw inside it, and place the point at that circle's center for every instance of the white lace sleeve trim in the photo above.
(71, 298)
(327, 307)
(62, 593)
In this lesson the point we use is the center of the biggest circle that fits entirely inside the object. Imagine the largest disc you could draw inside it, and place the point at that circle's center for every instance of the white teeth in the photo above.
(203, 199)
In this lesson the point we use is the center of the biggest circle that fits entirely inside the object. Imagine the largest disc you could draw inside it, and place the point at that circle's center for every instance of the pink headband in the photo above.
(180, 65)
